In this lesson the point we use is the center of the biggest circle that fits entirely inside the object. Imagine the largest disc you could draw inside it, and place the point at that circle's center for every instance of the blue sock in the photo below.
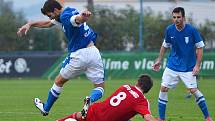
(203, 106)
(52, 97)
(96, 94)
(162, 108)
(162, 101)
(200, 100)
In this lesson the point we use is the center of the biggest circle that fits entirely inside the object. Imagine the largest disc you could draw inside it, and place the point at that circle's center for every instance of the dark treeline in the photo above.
(117, 30)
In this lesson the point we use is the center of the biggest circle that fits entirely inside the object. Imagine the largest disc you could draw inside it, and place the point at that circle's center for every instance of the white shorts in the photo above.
(171, 78)
(87, 60)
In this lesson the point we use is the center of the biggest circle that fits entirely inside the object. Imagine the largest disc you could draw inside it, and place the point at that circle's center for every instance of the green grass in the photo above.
(16, 99)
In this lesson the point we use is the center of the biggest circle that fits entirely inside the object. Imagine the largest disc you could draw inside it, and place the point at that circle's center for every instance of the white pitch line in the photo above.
(18, 113)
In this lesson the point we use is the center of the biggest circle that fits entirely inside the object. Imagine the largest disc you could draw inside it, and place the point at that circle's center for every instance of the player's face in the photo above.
(52, 15)
(178, 19)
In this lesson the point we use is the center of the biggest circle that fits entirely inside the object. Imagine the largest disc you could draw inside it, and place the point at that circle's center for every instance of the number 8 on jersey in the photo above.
(116, 100)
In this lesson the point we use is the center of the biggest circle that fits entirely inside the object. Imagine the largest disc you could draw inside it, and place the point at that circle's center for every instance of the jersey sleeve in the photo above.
(166, 42)
(72, 20)
(68, 16)
(198, 39)
(142, 107)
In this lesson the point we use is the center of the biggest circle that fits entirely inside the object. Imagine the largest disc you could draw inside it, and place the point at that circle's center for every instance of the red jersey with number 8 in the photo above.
(122, 105)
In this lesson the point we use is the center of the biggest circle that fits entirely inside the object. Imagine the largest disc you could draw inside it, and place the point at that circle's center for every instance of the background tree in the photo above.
(117, 30)
(35, 40)
(9, 21)
(90, 5)
(207, 31)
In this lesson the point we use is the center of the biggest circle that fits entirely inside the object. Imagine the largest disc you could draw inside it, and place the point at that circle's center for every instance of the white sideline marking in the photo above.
(18, 113)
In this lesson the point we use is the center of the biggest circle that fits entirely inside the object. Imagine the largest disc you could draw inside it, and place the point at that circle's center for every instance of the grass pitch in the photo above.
(16, 99)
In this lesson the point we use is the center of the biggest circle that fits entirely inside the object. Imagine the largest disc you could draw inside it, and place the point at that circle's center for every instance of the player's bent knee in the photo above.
(100, 85)
(59, 81)
(164, 89)
(193, 90)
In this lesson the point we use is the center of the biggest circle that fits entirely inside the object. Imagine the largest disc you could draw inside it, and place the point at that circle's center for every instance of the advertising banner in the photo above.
(26, 64)
(116, 64)
(131, 64)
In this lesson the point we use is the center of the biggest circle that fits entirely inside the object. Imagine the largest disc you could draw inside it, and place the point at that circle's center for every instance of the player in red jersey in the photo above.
(122, 105)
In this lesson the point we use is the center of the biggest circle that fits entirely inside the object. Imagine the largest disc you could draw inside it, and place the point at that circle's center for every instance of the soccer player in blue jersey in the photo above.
(83, 56)
(184, 61)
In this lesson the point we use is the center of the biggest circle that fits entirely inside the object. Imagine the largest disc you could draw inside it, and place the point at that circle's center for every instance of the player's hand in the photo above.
(86, 13)
(23, 30)
(196, 70)
(156, 66)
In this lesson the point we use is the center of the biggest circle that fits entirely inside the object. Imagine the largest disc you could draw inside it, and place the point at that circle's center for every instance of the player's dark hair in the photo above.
(50, 5)
(145, 82)
(178, 10)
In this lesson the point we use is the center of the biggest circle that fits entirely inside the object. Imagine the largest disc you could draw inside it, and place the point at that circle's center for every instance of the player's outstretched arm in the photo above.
(41, 24)
(149, 117)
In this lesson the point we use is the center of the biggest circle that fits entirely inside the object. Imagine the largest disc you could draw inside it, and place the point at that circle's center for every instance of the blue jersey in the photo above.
(183, 45)
(78, 36)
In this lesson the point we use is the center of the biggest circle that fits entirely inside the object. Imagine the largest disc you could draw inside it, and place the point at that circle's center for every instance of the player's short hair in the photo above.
(50, 5)
(145, 82)
(178, 10)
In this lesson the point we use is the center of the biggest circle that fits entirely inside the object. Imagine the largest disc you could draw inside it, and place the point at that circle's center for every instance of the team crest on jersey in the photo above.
(186, 39)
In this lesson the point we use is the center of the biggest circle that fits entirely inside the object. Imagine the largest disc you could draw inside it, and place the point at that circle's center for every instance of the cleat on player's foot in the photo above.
(86, 106)
(158, 119)
(39, 105)
(208, 119)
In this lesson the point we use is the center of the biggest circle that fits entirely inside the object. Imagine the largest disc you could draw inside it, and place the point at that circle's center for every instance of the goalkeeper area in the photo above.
(16, 99)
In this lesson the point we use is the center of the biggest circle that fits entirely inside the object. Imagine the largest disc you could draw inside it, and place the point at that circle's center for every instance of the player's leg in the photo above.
(191, 83)
(95, 95)
(53, 94)
(201, 101)
(162, 102)
(95, 73)
(71, 67)
(169, 80)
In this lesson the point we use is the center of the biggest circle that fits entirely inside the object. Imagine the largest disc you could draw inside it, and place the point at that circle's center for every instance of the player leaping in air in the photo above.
(83, 56)
(126, 102)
